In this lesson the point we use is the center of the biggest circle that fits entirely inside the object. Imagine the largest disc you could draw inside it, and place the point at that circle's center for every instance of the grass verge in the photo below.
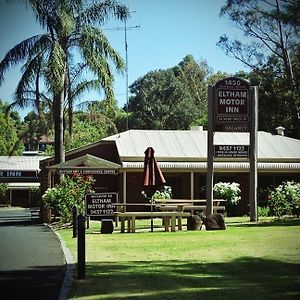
(246, 261)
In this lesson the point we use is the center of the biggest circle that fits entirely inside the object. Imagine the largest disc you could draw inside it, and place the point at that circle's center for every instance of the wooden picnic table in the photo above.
(165, 215)
(191, 205)
(169, 210)
(202, 201)
(124, 205)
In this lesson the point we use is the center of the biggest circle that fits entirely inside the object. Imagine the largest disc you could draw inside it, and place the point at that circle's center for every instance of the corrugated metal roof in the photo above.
(191, 145)
(178, 145)
(23, 163)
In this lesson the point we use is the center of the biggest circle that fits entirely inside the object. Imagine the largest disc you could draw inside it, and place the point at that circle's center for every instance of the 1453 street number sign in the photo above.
(232, 107)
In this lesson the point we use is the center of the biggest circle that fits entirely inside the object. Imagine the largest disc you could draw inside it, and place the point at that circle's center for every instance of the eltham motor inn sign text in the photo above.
(101, 205)
(18, 174)
(232, 105)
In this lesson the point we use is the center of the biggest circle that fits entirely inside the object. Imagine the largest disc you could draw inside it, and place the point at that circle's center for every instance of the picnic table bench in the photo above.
(167, 209)
(191, 205)
(165, 215)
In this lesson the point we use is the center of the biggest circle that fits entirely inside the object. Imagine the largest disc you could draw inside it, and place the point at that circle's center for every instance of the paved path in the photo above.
(32, 264)
(14, 214)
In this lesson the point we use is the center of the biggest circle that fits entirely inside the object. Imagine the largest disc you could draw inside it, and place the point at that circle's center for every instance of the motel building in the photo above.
(116, 162)
(21, 174)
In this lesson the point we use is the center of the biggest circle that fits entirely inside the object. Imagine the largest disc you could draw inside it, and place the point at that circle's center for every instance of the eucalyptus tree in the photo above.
(72, 33)
(194, 75)
(264, 23)
(272, 30)
(175, 98)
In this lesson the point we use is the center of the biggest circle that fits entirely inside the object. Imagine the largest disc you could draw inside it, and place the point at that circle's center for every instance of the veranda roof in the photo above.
(220, 166)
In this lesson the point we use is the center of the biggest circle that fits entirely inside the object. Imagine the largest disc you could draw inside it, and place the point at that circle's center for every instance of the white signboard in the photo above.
(238, 151)
(101, 205)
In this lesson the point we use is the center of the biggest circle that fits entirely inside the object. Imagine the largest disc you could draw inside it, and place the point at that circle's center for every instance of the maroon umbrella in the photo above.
(153, 177)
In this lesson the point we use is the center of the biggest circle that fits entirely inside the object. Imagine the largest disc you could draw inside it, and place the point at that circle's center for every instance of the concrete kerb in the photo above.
(70, 267)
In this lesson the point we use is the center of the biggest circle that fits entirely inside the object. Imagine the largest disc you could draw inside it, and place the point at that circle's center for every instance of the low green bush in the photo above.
(69, 192)
(3, 193)
(35, 196)
(263, 211)
(229, 192)
(285, 199)
(164, 193)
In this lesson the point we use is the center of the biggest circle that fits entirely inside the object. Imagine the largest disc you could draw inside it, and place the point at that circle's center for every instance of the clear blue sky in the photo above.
(169, 30)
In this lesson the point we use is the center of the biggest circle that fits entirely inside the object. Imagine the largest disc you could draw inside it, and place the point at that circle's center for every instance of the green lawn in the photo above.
(246, 261)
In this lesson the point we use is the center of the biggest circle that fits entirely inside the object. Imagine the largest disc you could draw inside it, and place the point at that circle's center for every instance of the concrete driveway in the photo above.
(32, 264)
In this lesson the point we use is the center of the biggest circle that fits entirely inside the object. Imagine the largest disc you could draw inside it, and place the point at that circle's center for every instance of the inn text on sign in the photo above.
(232, 105)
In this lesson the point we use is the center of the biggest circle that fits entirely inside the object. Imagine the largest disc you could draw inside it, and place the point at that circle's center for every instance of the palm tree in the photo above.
(70, 32)
(75, 86)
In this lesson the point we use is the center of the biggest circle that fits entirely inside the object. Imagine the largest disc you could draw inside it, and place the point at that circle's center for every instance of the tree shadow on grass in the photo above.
(275, 222)
(245, 278)
(40, 282)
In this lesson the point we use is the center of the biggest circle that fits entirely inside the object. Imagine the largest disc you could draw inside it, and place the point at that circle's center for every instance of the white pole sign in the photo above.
(232, 107)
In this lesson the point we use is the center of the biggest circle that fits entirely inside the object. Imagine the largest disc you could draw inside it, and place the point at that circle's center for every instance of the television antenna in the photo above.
(125, 29)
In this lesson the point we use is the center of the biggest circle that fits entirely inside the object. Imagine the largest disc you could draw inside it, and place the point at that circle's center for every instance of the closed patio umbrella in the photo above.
(153, 177)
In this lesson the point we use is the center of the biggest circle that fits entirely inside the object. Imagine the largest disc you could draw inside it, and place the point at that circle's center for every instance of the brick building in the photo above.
(117, 163)
(22, 176)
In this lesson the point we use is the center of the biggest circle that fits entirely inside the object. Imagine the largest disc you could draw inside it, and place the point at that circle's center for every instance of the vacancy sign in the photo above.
(232, 105)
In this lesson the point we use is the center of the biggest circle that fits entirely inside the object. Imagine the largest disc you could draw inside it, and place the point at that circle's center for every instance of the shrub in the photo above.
(285, 199)
(35, 196)
(69, 192)
(3, 193)
(228, 191)
(165, 193)
(263, 211)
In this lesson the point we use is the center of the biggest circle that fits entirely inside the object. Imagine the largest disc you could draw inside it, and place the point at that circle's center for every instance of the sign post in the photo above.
(232, 107)
(81, 247)
(253, 157)
(210, 152)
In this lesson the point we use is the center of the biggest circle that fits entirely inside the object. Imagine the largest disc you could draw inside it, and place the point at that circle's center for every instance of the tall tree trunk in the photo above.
(70, 115)
(285, 54)
(59, 128)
